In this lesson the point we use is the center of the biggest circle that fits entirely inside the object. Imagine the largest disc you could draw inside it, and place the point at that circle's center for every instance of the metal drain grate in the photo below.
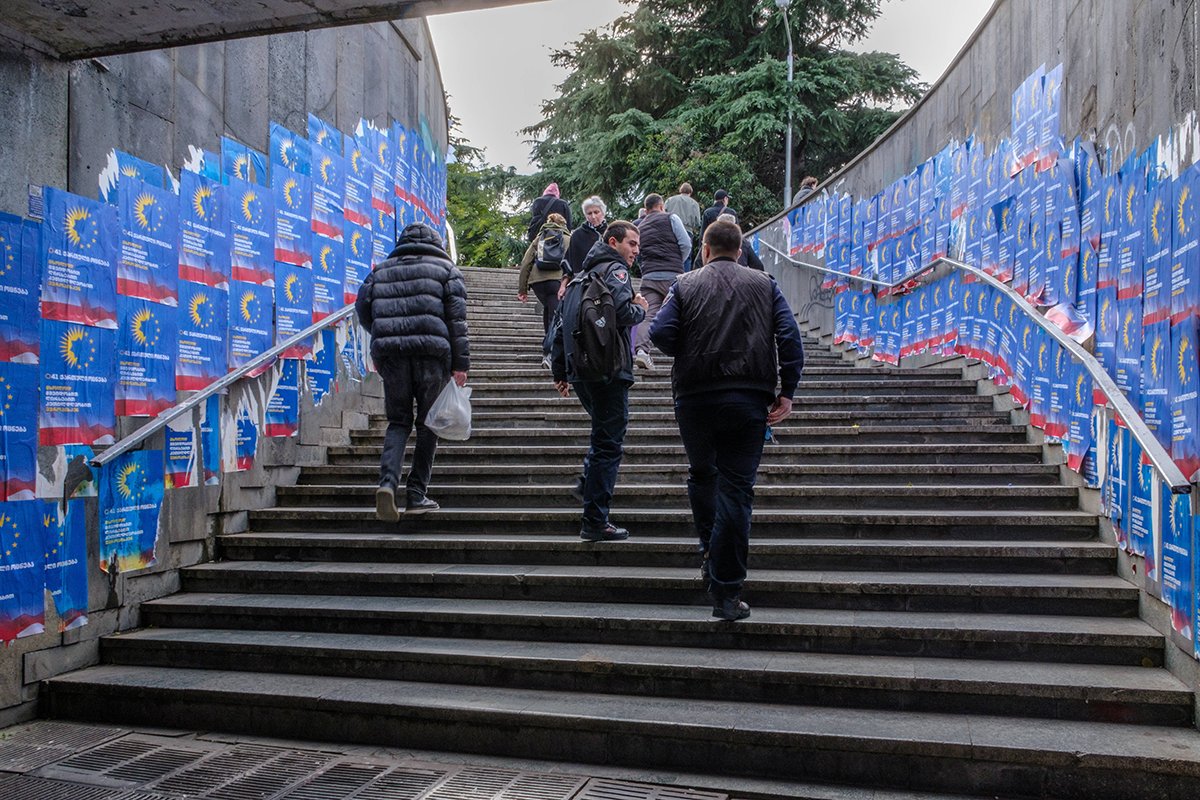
(474, 784)
(215, 771)
(63, 735)
(23, 787)
(271, 778)
(402, 783)
(108, 756)
(336, 783)
(16, 757)
(600, 789)
(532, 786)
(155, 765)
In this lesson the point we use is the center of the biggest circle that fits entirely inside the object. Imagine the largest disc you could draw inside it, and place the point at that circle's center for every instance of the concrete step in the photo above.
(662, 386)
(980, 593)
(1053, 691)
(861, 497)
(916, 404)
(843, 372)
(933, 555)
(1003, 637)
(491, 417)
(649, 523)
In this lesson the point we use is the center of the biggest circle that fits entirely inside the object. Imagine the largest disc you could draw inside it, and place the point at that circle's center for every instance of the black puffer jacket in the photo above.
(415, 303)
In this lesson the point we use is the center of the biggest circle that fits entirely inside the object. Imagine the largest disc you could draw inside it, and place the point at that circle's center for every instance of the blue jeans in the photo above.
(608, 406)
(723, 436)
(407, 381)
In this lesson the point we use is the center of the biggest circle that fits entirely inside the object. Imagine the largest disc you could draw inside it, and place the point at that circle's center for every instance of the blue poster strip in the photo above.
(293, 217)
(252, 241)
(22, 571)
(1177, 543)
(18, 431)
(203, 324)
(79, 378)
(1141, 505)
(289, 150)
(19, 278)
(358, 260)
(283, 408)
(1156, 371)
(210, 440)
(123, 167)
(1185, 256)
(329, 276)
(293, 306)
(329, 192)
(1079, 436)
(360, 176)
(323, 134)
(181, 469)
(239, 162)
(1183, 389)
(149, 263)
(203, 231)
(320, 374)
(131, 495)
(80, 240)
(251, 318)
(246, 442)
(64, 546)
(146, 345)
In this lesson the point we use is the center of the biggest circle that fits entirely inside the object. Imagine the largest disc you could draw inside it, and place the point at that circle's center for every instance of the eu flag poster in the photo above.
(203, 231)
(1184, 393)
(252, 245)
(329, 192)
(181, 469)
(1156, 362)
(149, 264)
(79, 247)
(360, 175)
(19, 278)
(293, 217)
(289, 150)
(1079, 436)
(293, 307)
(1141, 505)
(22, 571)
(146, 344)
(18, 431)
(64, 546)
(323, 134)
(283, 407)
(1185, 256)
(251, 317)
(1177, 545)
(239, 162)
(203, 322)
(358, 261)
(329, 276)
(78, 384)
(131, 495)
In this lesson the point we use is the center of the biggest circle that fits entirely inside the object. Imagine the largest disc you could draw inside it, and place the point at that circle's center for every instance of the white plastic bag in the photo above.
(450, 415)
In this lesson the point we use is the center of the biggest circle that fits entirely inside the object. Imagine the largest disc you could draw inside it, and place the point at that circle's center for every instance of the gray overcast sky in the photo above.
(496, 63)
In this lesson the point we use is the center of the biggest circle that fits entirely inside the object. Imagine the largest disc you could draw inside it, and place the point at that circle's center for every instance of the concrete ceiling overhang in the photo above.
(72, 29)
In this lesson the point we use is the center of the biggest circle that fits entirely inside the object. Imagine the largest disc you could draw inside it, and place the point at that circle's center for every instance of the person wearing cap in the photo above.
(549, 203)
(414, 304)
(720, 206)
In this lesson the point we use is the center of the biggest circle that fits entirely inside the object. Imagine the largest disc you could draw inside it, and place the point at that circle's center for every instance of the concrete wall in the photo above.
(58, 123)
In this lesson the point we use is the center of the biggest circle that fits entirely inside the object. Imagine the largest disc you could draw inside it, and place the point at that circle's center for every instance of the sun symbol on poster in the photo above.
(326, 260)
(291, 193)
(77, 348)
(982, 301)
(996, 307)
(243, 169)
(203, 202)
(1105, 315)
(1080, 380)
(1184, 212)
(1109, 210)
(287, 152)
(1130, 195)
(146, 328)
(355, 157)
(1026, 333)
(1085, 264)
(200, 310)
(292, 289)
(251, 207)
(145, 212)
(80, 227)
(327, 171)
(10, 534)
(382, 153)
(380, 219)
(130, 171)
(323, 137)
(249, 307)
(1156, 227)
(1185, 361)
(1126, 327)
(937, 295)
(1035, 228)
(1178, 516)
(1156, 358)
(1068, 278)
(129, 481)
(1041, 357)
(356, 244)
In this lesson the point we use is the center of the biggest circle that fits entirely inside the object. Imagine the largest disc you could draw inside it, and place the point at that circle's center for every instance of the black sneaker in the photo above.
(577, 489)
(591, 532)
(730, 609)
(419, 504)
(385, 504)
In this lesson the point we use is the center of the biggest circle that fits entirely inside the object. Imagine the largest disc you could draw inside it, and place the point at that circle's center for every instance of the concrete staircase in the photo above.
(932, 611)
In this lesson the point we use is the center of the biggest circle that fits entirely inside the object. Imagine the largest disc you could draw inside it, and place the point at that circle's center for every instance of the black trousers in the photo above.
(547, 295)
(608, 406)
(407, 381)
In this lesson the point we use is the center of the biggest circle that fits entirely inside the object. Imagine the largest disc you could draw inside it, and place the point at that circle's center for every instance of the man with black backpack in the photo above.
(591, 351)
(542, 269)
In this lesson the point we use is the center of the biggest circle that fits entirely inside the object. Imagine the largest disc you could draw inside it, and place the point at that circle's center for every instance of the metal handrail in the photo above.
(1151, 447)
(175, 412)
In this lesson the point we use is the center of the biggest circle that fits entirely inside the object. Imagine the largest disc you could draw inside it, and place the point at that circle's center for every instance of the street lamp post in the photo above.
(787, 167)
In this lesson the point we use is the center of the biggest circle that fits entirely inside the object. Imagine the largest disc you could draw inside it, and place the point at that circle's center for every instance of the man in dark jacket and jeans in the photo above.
(606, 401)
(738, 358)
(415, 306)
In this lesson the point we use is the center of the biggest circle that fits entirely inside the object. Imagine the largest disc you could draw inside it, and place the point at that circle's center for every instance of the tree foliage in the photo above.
(697, 90)
(477, 196)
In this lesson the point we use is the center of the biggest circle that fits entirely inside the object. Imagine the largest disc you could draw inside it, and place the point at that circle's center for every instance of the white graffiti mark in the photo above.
(1120, 144)
(1179, 147)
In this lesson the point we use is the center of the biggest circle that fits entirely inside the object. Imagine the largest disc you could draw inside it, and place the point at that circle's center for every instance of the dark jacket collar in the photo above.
(601, 254)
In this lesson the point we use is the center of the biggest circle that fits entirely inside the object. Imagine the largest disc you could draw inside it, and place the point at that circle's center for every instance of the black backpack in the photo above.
(589, 311)
(550, 250)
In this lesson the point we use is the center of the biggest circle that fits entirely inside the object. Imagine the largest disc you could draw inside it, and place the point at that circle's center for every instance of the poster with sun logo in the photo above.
(1142, 496)
(1129, 348)
(1183, 389)
(1116, 488)
(293, 217)
(19, 278)
(1156, 297)
(329, 276)
(401, 170)
(1185, 256)
(18, 431)
(252, 241)
(79, 253)
(79, 376)
(289, 150)
(22, 571)
(203, 324)
(1178, 531)
(149, 263)
(377, 144)
(283, 406)
(1130, 248)
(322, 134)
(360, 176)
(293, 307)
(384, 241)
(242, 163)
(203, 231)
(146, 344)
(329, 192)
(1082, 403)
(122, 167)
(358, 260)
(131, 495)
(1155, 368)
(64, 548)
(251, 318)
(1058, 414)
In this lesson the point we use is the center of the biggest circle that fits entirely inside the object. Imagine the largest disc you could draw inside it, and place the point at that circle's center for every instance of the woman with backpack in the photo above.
(542, 269)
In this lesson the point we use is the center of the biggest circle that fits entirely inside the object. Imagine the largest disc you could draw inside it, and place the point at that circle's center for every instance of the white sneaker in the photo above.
(545, 362)
(642, 359)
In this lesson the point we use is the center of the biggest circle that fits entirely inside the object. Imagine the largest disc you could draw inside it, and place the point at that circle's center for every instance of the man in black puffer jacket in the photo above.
(415, 306)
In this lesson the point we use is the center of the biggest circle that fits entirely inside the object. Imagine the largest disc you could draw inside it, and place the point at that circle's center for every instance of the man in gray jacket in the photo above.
(684, 206)
(665, 246)
(415, 306)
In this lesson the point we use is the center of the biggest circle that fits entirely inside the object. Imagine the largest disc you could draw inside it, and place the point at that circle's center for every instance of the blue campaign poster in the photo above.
(210, 440)
(1039, 379)
(293, 307)
(402, 170)
(320, 374)
(379, 148)
(293, 217)
(329, 276)
(122, 167)
(1129, 348)
(246, 441)
(251, 317)
(78, 376)
(22, 571)
(1079, 436)
(149, 263)
(1177, 543)
(358, 260)
(239, 162)
(251, 227)
(360, 175)
(79, 256)
(1156, 289)
(203, 231)
(1058, 412)
(64, 546)
(1156, 365)
(131, 495)
(289, 150)
(1141, 506)
(283, 407)
(203, 325)
(1107, 328)
(323, 134)
(19, 279)
(18, 431)
(329, 192)
(1183, 389)
(146, 345)
(1185, 256)
(1116, 488)
(181, 469)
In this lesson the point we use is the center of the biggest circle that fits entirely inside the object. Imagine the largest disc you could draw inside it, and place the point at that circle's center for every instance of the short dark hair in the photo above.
(685, 188)
(618, 229)
(723, 239)
(653, 201)
(809, 181)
